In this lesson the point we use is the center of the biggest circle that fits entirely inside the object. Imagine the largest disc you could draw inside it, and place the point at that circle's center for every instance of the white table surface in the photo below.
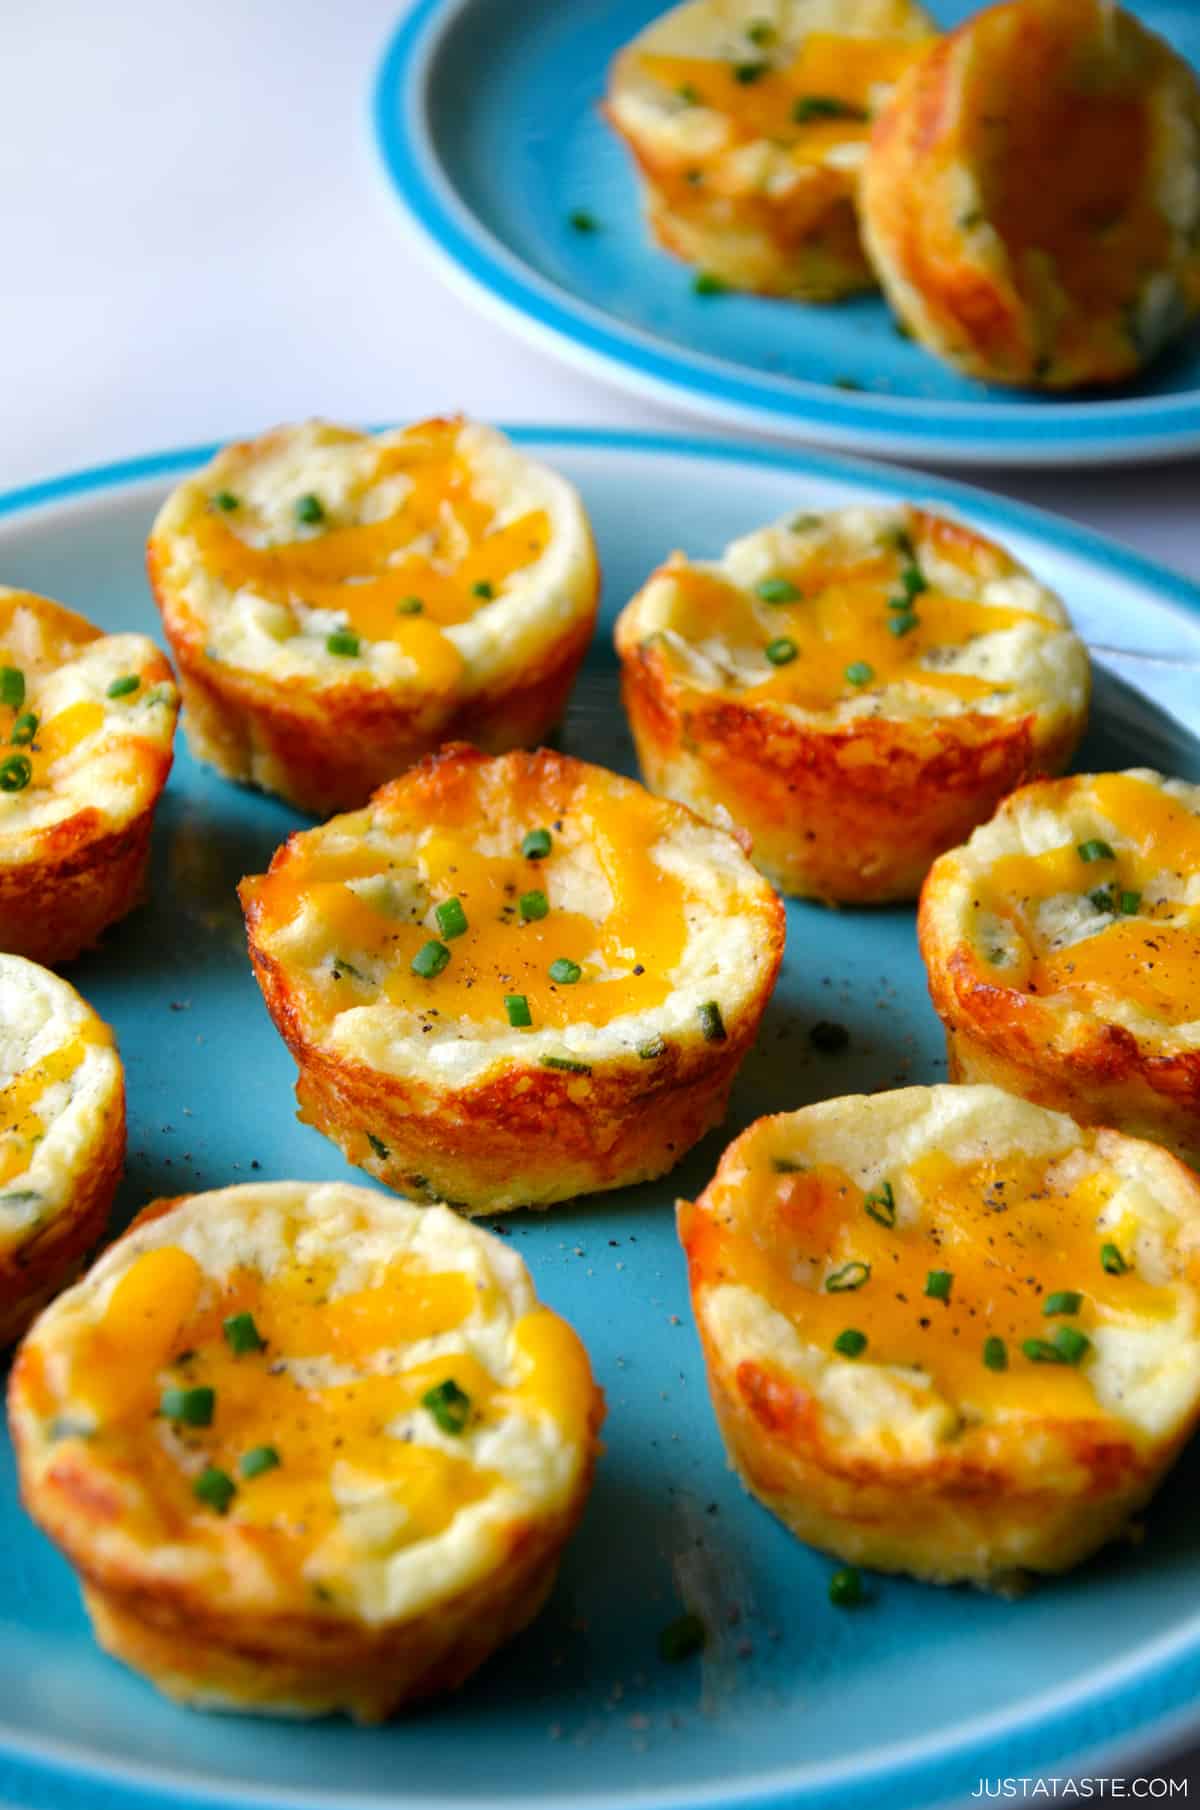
(198, 242)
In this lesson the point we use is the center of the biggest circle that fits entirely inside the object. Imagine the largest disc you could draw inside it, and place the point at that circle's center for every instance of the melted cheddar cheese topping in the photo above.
(841, 610)
(822, 99)
(351, 1418)
(1106, 914)
(74, 707)
(626, 946)
(24, 1118)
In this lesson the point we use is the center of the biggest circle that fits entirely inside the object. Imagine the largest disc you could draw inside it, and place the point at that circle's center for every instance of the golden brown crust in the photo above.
(33, 1272)
(523, 1134)
(82, 878)
(943, 252)
(299, 1664)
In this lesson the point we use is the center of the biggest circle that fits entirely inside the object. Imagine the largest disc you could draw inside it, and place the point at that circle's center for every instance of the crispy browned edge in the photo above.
(956, 1518)
(326, 746)
(804, 245)
(299, 1662)
(33, 1271)
(852, 813)
(1099, 1073)
(528, 1135)
(961, 304)
(75, 878)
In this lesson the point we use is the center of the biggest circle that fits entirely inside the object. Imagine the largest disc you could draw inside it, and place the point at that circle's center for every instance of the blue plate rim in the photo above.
(494, 279)
(1165, 1686)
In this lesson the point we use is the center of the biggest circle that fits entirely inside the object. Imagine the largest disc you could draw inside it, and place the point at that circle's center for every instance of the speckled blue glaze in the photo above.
(904, 1703)
(486, 117)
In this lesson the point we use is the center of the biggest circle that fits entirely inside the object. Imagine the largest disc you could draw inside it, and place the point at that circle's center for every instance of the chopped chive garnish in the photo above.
(1111, 1260)
(242, 1335)
(687, 91)
(342, 641)
(517, 1007)
(12, 686)
(828, 1036)
(760, 32)
(15, 773)
(804, 524)
(1102, 899)
(566, 1065)
(849, 1277)
(224, 500)
(535, 845)
(938, 1284)
(24, 729)
(823, 106)
(1130, 903)
(565, 972)
(449, 1405)
(1096, 849)
(310, 509)
(1071, 1344)
(652, 1048)
(851, 1343)
(484, 588)
(378, 1146)
(782, 651)
(258, 1459)
(706, 283)
(121, 688)
(581, 220)
(681, 1638)
(712, 1025)
(995, 1354)
(216, 1489)
(786, 1165)
(533, 905)
(880, 1205)
(452, 919)
(1063, 1301)
(846, 1587)
(430, 959)
(189, 1407)
(914, 581)
(745, 73)
(776, 590)
(1041, 1351)
(859, 672)
(904, 623)
(409, 606)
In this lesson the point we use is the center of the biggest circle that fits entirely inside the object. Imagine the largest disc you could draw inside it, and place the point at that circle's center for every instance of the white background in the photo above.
(198, 242)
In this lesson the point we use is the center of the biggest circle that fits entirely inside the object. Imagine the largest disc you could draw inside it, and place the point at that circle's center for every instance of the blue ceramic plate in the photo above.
(486, 117)
(905, 1703)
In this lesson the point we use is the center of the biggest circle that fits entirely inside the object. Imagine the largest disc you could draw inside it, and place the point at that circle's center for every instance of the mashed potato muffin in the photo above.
(62, 1136)
(749, 123)
(948, 1332)
(340, 603)
(857, 690)
(1030, 198)
(510, 981)
(87, 723)
(309, 1448)
(1062, 945)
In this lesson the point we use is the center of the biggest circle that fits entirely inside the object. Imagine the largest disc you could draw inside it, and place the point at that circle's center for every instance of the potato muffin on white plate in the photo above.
(512, 980)
(1062, 945)
(1030, 198)
(341, 603)
(856, 690)
(309, 1448)
(948, 1332)
(749, 122)
(87, 725)
(62, 1136)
